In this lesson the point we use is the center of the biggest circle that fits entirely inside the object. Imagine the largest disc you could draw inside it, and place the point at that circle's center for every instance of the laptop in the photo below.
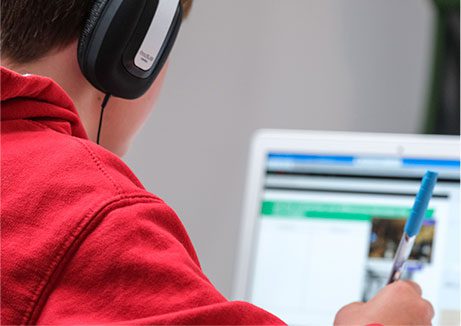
(324, 213)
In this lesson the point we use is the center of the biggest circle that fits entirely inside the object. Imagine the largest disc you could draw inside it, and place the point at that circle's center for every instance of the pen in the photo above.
(413, 225)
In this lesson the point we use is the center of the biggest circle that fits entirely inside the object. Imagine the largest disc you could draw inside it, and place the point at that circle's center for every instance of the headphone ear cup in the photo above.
(88, 28)
(112, 36)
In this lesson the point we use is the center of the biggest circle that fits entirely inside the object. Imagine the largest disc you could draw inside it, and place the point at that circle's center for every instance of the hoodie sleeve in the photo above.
(138, 267)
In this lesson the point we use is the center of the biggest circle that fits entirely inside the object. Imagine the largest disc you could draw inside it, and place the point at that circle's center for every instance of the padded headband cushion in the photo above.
(89, 26)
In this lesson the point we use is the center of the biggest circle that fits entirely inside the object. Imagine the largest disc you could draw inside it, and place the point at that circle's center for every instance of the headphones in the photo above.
(125, 43)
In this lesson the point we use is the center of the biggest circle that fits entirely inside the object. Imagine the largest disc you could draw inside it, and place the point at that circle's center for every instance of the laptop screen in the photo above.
(329, 226)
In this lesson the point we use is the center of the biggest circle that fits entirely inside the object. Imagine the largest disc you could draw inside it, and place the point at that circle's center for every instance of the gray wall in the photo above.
(240, 65)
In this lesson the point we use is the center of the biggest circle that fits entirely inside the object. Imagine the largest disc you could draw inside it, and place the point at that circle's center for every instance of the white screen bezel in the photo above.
(319, 142)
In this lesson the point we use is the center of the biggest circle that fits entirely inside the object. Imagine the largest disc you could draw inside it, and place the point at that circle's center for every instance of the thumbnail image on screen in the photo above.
(384, 239)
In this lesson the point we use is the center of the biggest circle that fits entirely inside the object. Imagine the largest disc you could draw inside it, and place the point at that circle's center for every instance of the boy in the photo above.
(82, 240)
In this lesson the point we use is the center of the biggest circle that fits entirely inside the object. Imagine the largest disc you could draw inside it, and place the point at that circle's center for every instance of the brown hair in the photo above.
(30, 29)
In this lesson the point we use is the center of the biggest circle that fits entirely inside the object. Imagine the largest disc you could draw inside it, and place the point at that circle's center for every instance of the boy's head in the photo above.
(40, 37)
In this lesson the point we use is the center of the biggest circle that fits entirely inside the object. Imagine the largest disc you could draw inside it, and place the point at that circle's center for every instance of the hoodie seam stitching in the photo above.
(77, 236)
(95, 158)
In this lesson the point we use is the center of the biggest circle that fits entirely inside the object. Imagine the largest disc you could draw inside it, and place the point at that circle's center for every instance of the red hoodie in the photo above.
(82, 240)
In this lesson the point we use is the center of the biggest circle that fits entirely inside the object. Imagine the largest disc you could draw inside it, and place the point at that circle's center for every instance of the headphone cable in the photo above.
(103, 106)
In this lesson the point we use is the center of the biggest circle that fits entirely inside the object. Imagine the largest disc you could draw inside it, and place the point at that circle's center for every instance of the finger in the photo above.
(343, 316)
(414, 286)
(352, 307)
(355, 305)
(429, 309)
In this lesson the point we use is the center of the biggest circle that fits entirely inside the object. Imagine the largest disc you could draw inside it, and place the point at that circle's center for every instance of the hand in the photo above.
(399, 303)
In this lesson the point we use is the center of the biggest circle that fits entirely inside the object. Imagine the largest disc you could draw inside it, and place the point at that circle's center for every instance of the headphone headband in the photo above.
(157, 33)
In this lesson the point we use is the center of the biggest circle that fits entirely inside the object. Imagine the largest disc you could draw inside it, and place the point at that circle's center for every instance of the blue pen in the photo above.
(413, 225)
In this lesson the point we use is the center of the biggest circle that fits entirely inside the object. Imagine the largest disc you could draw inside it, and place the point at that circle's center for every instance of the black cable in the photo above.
(103, 106)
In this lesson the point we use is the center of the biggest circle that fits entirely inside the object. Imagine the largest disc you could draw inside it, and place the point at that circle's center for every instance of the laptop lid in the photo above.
(323, 215)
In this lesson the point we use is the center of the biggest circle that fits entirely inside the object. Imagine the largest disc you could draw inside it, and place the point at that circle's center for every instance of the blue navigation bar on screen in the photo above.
(351, 160)
(418, 162)
(302, 158)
